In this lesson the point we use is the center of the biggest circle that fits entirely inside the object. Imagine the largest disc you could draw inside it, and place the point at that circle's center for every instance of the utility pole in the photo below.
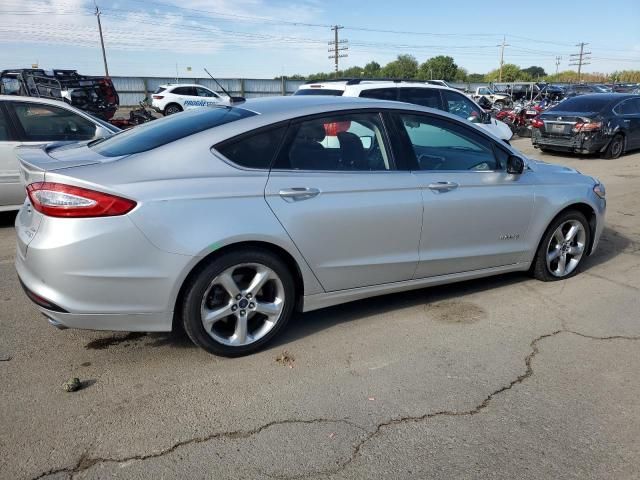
(580, 59)
(502, 56)
(558, 58)
(336, 46)
(104, 54)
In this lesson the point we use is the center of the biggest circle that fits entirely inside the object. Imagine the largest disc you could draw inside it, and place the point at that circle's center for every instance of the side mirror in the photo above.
(515, 165)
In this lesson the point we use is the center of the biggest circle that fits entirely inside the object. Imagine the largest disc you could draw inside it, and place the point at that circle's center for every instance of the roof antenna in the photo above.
(232, 100)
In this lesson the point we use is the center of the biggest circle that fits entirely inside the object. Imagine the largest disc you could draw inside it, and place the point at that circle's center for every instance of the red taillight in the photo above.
(537, 123)
(60, 200)
(587, 126)
(158, 97)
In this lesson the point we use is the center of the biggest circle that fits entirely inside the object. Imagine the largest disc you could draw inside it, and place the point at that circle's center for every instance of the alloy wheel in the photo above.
(565, 248)
(242, 304)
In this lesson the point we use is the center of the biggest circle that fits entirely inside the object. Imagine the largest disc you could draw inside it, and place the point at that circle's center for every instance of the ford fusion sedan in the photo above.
(226, 220)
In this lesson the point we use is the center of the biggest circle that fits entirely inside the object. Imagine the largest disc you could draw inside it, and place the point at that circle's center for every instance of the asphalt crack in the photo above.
(85, 462)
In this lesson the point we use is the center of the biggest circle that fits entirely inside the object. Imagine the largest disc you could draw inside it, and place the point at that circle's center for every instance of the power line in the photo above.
(502, 56)
(337, 46)
(104, 54)
(580, 59)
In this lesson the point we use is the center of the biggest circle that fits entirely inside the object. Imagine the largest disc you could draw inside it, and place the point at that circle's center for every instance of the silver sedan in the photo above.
(227, 220)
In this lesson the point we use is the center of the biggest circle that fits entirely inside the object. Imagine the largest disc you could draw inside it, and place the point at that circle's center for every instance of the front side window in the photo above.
(343, 142)
(203, 92)
(459, 105)
(484, 91)
(442, 145)
(427, 97)
(255, 149)
(47, 123)
(380, 93)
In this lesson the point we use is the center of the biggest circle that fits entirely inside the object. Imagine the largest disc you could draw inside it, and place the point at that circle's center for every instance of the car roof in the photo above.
(46, 101)
(371, 84)
(171, 85)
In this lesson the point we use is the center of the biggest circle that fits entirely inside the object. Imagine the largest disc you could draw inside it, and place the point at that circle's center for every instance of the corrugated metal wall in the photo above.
(133, 89)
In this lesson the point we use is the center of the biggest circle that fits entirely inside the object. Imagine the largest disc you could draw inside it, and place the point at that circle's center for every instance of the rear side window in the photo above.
(166, 130)
(427, 97)
(459, 105)
(184, 91)
(47, 123)
(319, 91)
(253, 150)
(380, 93)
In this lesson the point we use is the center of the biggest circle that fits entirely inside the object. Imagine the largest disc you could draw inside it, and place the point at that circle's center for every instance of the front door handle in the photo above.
(297, 194)
(442, 186)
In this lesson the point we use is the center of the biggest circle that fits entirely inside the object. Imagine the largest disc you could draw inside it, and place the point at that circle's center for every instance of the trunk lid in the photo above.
(36, 160)
(560, 124)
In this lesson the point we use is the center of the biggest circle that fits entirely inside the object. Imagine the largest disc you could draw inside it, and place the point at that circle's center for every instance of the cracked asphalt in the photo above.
(499, 378)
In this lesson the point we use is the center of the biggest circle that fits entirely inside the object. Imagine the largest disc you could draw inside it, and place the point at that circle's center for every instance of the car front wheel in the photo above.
(238, 302)
(563, 247)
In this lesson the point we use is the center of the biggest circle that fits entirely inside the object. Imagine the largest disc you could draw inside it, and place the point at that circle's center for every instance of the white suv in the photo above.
(169, 99)
(428, 95)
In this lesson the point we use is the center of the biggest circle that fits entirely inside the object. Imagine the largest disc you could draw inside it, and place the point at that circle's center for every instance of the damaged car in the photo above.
(94, 95)
(604, 123)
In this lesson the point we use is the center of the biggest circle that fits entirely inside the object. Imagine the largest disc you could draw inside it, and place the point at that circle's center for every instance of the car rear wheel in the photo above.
(615, 148)
(238, 302)
(563, 247)
(172, 108)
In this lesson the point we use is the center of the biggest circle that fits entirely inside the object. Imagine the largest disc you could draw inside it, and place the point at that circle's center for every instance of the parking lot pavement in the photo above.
(496, 378)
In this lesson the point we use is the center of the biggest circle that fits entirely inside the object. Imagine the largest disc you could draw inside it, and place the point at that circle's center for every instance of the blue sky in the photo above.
(264, 38)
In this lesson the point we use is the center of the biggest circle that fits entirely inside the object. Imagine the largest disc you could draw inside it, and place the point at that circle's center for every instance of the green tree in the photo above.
(405, 66)
(475, 77)
(439, 68)
(461, 75)
(535, 72)
(372, 70)
(510, 73)
(353, 72)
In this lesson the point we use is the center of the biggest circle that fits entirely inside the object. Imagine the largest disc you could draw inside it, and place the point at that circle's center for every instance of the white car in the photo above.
(170, 99)
(428, 95)
(34, 121)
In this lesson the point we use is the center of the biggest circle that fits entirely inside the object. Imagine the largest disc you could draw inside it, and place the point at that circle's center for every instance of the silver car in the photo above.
(226, 220)
(32, 121)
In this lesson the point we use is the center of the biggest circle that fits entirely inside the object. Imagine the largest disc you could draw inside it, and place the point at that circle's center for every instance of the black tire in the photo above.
(199, 284)
(615, 147)
(539, 268)
(544, 149)
(171, 109)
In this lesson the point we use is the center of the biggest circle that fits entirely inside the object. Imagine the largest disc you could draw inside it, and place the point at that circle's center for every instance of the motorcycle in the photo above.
(137, 116)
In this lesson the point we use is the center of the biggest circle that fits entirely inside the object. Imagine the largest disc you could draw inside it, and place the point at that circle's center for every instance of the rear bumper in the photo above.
(99, 274)
(579, 143)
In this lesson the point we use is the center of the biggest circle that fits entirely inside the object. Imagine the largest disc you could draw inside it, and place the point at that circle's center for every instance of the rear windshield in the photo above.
(169, 129)
(590, 103)
(319, 91)
(159, 90)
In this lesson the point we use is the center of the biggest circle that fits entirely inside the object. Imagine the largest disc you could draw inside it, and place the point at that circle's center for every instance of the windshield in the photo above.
(169, 129)
(319, 91)
(585, 103)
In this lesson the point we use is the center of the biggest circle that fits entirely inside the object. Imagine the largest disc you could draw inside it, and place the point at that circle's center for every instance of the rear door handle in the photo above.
(442, 186)
(297, 194)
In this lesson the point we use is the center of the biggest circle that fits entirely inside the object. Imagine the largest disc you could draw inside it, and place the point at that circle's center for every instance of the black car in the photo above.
(584, 89)
(605, 123)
